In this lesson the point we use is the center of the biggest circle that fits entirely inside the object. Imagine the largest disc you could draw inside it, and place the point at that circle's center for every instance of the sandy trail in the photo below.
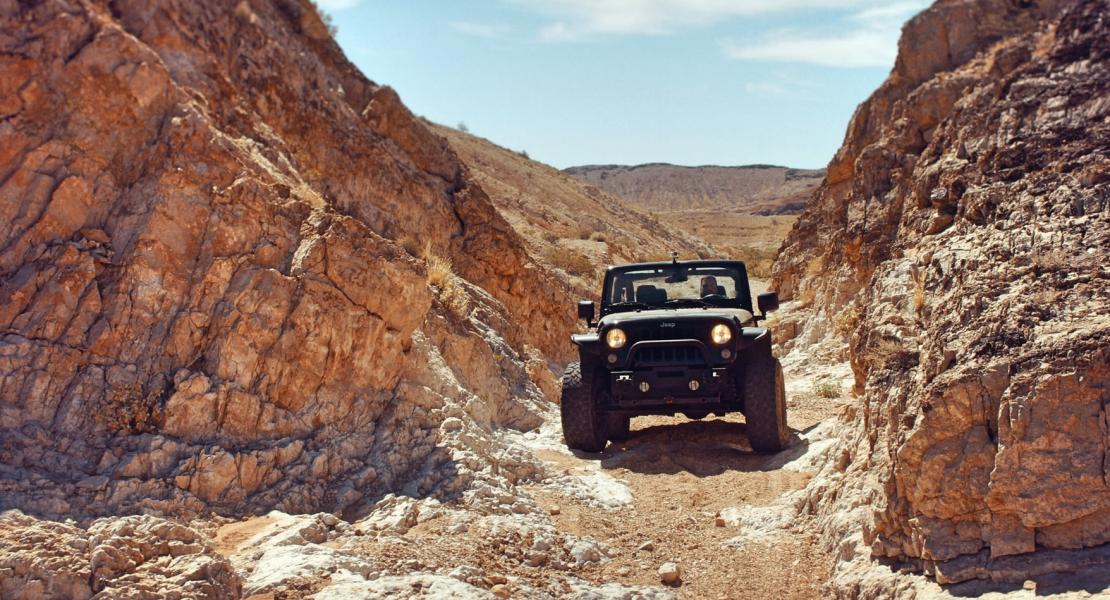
(687, 491)
(683, 475)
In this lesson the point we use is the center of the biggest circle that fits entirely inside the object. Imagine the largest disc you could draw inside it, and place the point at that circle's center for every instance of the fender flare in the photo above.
(755, 341)
(589, 347)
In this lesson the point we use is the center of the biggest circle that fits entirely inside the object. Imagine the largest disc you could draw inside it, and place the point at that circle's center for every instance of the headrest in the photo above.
(649, 294)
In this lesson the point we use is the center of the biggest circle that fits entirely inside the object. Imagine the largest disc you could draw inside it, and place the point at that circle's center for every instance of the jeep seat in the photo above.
(649, 294)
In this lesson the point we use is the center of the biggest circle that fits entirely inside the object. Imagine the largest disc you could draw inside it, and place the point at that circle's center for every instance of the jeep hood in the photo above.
(679, 314)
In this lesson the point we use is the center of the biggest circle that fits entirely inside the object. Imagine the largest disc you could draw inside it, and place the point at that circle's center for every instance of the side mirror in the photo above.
(767, 302)
(586, 311)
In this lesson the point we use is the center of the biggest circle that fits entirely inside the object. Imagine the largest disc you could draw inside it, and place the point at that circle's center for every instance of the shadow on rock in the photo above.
(1082, 572)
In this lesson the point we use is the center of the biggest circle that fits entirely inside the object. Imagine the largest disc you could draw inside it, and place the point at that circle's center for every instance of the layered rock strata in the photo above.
(961, 241)
(206, 303)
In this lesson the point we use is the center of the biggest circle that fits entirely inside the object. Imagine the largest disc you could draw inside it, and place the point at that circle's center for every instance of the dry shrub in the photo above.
(890, 351)
(570, 261)
(455, 297)
(620, 245)
(598, 236)
(439, 270)
(827, 389)
(582, 232)
(448, 286)
(550, 237)
(848, 319)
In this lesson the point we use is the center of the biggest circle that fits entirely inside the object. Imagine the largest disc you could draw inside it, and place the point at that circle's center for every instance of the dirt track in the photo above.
(693, 490)
(682, 474)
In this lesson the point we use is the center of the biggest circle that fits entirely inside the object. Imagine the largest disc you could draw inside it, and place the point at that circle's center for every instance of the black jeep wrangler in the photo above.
(673, 337)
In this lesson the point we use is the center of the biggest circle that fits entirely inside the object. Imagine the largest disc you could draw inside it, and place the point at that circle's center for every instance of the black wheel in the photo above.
(696, 415)
(583, 427)
(765, 406)
(617, 426)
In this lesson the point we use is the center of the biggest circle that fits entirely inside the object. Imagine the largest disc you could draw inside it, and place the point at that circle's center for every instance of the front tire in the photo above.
(583, 427)
(765, 406)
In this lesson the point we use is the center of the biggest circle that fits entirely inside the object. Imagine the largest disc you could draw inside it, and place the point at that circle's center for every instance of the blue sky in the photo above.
(690, 82)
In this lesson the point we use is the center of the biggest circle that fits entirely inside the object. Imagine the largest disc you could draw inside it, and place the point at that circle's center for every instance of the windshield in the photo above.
(678, 285)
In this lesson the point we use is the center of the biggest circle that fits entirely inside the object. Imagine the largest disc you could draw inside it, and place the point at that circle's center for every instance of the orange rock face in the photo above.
(202, 294)
(964, 228)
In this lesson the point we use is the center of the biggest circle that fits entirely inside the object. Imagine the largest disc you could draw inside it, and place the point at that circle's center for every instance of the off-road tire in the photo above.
(765, 406)
(696, 415)
(617, 426)
(583, 426)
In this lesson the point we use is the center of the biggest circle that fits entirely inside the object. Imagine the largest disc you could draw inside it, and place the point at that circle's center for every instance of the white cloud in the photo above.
(766, 88)
(854, 49)
(333, 5)
(884, 14)
(484, 30)
(868, 39)
(781, 86)
(575, 19)
(865, 34)
(557, 32)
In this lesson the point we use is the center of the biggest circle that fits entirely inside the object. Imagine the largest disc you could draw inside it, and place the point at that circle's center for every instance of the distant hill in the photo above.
(661, 187)
(570, 225)
(744, 212)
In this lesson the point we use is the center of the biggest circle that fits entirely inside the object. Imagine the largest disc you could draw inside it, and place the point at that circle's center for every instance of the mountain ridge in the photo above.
(763, 189)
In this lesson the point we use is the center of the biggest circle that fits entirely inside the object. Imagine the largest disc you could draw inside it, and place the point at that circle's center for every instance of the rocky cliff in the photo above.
(960, 241)
(210, 294)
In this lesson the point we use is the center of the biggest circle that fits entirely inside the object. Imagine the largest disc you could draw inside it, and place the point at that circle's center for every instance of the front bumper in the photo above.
(669, 387)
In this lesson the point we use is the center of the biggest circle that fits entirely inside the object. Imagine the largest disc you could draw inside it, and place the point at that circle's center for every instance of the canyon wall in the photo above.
(237, 275)
(961, 244)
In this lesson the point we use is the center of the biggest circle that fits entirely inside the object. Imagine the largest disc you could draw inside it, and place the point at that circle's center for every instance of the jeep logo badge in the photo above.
(668, 324)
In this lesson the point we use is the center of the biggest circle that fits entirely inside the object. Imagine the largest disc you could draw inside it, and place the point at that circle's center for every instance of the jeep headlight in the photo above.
(721, 334)
(616, 338)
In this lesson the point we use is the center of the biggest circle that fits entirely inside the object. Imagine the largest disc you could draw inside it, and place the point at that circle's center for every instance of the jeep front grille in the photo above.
(667, 356)
(682, 332)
